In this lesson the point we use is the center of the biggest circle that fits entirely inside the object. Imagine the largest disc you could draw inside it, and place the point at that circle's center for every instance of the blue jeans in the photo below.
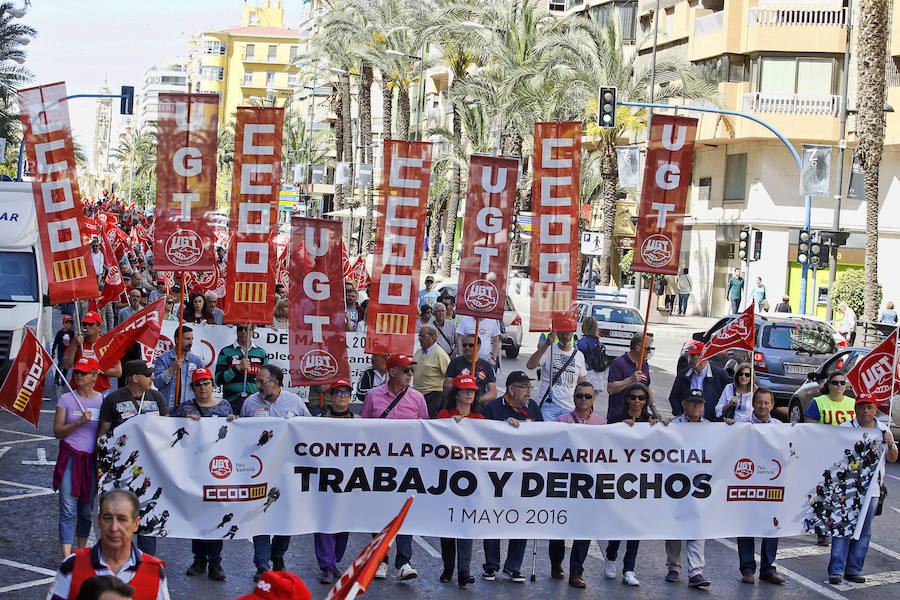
(74, 516)
(458, 551)
(515, 554)
(208, 550)
(631, 548)
(577, 556)
(266, 548)
(767, 551)
(682, 302)
(849, 555)
(735, 305)
(404, 550)
(551, 410)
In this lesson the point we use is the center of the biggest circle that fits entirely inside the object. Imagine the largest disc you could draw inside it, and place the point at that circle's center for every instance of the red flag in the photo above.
(114, 286)
(23, 389)
(282, 275)
(667, 177)
(143, 326)
(554, 243)
(359, 275)
(872, 378)
(345, 260)
(359, 575)
(399, 237)
(61, 223)
(185, 182)
(254, 216)
(318, 331)
(484, 261)
(739, 333)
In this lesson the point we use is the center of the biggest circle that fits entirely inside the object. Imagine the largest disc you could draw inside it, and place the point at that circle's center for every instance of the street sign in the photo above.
(591, 243)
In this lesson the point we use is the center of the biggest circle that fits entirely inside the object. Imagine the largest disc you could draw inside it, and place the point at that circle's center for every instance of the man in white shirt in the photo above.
(488, 338)
(97, 256)
(564, 367)
(847, 327)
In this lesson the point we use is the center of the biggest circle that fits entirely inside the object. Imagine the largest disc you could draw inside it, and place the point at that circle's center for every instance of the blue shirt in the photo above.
(286, 406)
(499, 409)
(166, 384)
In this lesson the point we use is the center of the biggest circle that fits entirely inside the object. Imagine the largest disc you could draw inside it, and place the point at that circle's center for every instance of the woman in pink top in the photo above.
(75, 426)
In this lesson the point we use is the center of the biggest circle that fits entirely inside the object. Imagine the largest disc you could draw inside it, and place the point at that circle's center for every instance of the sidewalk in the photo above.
(681, 327)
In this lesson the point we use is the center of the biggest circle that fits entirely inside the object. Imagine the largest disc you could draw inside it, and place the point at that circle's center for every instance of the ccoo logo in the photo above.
(743, 468)
(220, 467)
(482, 295)
(318, 364)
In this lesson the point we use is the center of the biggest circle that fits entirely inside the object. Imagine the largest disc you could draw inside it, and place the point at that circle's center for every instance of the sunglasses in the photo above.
(340, 393)
(744, 374)
(169, 302)
(406, 370)
(261, 381)
(468, 345)
(583, 396)
(838, 382)
(640, 397)
(85, 324)
(242, 328)
(203, 383)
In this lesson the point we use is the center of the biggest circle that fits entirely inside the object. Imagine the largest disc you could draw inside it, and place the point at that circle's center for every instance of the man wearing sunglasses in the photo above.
(83, 346)
(462, 365)
(700, 375)
(169, 367)
(237, 366)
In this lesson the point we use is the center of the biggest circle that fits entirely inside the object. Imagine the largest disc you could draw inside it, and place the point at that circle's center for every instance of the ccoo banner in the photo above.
(399, 239)
(484, 260)
(61, 222)
(667, 176)
(318, 330)
(815, 174)
(183, 235)
(251, 269)
(628, 160)
(485, 479)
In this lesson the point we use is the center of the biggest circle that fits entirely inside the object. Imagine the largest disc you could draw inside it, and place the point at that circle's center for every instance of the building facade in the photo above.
(169, 78)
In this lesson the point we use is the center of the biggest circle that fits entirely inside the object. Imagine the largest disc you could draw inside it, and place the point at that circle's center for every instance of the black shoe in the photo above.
(198, 567)
(446, 575)
(556, 572)
(216, 572)
(514, 576)
(855, 578)
(278, 564)
(465, 579)
(834, 579)
(326, 577)
(259, 572)
(489, 575)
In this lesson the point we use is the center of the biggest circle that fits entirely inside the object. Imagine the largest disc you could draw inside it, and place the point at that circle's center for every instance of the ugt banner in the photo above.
(484, 261)
(739, 333)
(874, 376)
(667, 176)
(250, 279)
(183, 235)
(554, 242)
(485, 479)
(61, 222)
(399, 238)
(23, 389)
(318, 330)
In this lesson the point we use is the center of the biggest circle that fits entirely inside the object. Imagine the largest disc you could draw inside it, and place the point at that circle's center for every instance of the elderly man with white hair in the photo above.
(431, 365)
(218, 314)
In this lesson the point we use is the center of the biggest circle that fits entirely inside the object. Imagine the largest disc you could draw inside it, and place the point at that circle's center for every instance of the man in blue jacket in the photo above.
(700, 375)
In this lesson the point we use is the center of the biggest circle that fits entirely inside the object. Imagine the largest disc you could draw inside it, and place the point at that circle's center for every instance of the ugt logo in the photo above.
(482, 295)
(184, 247)
(318, 364)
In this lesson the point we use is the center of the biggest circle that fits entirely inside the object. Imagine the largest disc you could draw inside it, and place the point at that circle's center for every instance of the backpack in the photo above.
(597, 359)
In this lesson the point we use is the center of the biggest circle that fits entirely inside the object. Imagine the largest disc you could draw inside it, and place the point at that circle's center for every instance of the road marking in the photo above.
(807, 583)
(33, 437)
(27, 584)
(44, 410)
(895, 509)
(428, 547)
(25, 567)
(801, 551)
(894, 476)
(41, 459)
(884, 550)
(38, 491)
(6, 449)
(871, 581)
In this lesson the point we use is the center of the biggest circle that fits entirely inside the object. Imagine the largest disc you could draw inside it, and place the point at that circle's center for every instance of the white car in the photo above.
(616, 321)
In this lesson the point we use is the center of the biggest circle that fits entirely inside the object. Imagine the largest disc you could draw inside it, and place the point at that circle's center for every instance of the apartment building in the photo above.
(168, 78)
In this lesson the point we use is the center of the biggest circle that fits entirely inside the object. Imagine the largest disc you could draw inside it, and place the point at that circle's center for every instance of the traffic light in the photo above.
(823, 254)
(744, 244)
(815, 253)
(126, 103)
(607, 107)
(803, 247)
(757, 245)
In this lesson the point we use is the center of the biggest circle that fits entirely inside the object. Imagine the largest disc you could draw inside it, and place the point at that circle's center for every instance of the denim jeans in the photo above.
(208, 550)
(403, 544)
(849, 555)
(577, 556)
(551, 410)
(458, 551)
(631, 548)
(74, 516)
(682, 303)
(267, 547)
(735, 305)
(766, 554)
(515, 554)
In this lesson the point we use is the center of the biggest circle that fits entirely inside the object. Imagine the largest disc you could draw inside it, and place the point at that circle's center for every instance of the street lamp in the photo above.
(420, 105)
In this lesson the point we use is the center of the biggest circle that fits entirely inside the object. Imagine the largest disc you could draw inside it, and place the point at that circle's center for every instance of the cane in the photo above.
(533, 557)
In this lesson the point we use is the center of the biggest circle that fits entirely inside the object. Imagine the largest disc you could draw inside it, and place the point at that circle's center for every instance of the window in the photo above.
(670, 20)
(251, 51)
(273, 52)
(797, 75)
(292, 77)
(294, 53)
(628, 22)
(213, 47)
(213, 73)
(248, 77)
(735, 178)
(270, 78)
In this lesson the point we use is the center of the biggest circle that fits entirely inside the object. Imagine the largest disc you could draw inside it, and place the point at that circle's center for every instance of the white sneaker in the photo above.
(381, 573)
(406, 572)
(630, 579)
(610, 569)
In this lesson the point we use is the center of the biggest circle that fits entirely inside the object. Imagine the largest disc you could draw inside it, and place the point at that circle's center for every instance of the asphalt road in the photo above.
(29, 551)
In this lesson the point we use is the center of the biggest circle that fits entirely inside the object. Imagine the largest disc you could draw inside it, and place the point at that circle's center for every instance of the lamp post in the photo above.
(420, 101)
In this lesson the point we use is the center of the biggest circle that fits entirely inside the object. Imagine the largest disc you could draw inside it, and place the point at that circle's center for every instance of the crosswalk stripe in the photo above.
(876, 579)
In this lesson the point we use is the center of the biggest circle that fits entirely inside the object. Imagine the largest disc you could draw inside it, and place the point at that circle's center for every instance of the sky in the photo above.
(81, 42)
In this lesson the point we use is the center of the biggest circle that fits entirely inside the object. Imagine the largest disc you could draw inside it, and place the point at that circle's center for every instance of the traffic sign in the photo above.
(591, 243)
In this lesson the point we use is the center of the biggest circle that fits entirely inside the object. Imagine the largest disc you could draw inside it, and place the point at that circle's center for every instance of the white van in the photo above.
(23, 283)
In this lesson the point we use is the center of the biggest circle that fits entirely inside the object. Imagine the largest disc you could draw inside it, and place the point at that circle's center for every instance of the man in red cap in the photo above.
(83, 346)
(395, 399)
(278, 585)
(700, 375)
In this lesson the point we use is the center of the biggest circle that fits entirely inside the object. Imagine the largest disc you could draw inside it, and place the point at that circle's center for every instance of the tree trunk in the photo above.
(871, 57)
(512, 146)
(434, 235)
(348, 138)
(403, 108)
(452, 204)
(365, 138)
(387, 101)
(337, 107)
(609, 173)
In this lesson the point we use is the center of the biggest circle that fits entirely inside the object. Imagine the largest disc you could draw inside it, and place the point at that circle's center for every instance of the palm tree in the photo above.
(438, 193)
(12, 73)
(872, 54)
(136, 151)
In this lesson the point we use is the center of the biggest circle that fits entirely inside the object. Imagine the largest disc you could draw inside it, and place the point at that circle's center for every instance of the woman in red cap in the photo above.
(75, 426)
(460, 404)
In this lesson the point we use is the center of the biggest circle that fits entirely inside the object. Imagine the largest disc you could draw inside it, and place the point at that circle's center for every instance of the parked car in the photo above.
(786, 349)
(511, 340)
(843, 360)
(616, 321)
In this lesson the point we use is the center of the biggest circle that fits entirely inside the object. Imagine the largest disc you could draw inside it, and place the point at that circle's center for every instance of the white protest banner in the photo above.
(486, 479)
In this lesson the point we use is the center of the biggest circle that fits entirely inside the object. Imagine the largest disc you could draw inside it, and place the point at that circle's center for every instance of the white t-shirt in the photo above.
(565, 386)
(487, 330)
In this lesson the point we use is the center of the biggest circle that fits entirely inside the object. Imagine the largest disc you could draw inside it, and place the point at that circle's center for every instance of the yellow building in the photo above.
(253, 60)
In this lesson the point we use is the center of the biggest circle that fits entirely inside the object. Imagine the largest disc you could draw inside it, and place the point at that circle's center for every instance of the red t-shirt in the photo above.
(445, 414)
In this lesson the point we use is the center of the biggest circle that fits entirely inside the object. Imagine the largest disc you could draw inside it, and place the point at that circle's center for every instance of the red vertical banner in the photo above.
(318, 330)
(399, 238)
(667, 177)
(484, 262)
(183, 234)
(555, 237)
(61, 222)
(252, 259)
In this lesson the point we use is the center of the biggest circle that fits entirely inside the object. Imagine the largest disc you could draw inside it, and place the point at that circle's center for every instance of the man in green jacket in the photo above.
(237, 366)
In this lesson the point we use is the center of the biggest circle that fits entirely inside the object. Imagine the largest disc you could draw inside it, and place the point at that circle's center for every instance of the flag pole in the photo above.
(247, 356)
(63, 377)
(477, 342)
(894, 371)
(640, 365)
(179, 336)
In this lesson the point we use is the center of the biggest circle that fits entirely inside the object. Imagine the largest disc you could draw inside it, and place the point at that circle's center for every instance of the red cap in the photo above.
(465, 382)
(86, 365)
(694, 347)
(340, 383)
(91, 317)
(279, 585)
(200, 374)
(67, 318)
(399, 360)
(867, 401)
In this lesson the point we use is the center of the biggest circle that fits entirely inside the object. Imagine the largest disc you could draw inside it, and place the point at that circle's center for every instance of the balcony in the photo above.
(262, 59)
(795, 104)
(709, 23)
(807, 117)
(796, 29)
(809, 16)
